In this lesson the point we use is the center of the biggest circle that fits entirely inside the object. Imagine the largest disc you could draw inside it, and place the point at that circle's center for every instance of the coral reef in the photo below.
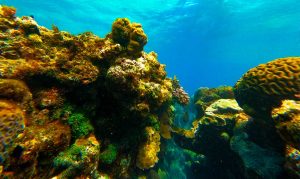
(12, 123)
(287, 122)
(179, 94)
(265, 86)
(292, 163)
(286, 119)
(81, 106)
(83, 155)
(233, 144)
(109, 155)
(203, 97)
(147, 154)
(129, 35)
(73, 91)
(262, 145)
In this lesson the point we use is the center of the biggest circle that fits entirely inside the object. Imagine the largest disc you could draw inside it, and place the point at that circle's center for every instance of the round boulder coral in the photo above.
(265, 86)
(12, 123)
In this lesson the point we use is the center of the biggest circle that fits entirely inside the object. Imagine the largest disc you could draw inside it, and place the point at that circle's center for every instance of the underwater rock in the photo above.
(203, 97)
(258, 162)
(215, 129)
(265, 86)
(220, 111)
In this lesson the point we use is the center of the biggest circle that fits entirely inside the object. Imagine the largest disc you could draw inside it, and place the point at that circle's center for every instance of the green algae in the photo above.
(110, 154)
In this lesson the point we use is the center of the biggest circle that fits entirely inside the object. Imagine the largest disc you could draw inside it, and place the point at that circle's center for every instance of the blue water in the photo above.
(203, 42)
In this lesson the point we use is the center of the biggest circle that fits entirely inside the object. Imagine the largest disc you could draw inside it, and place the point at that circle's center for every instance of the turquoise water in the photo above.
(202, 42)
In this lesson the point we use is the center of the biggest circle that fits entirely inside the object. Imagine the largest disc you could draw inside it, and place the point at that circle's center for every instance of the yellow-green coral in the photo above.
(129, 35)
(118, 88)
(82, 155)
(148, 151)
(263, 87)
(7, 11)
(121, 30)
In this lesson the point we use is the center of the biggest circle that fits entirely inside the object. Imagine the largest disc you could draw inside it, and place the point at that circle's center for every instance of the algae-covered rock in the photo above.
(258, 161)
(221, 112)
(203, 97)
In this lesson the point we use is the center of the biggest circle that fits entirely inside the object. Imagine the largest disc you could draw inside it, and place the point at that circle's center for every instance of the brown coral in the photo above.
(60, 80)
(12, 123)
(15, 90)
(129, 35)
(7, 11)
(263, 87)
(287, 122)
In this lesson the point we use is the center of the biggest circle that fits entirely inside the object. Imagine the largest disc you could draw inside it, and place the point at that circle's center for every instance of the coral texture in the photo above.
(82, 155)
(12, 123)
(75, 91)
(287, 122)
(263, 87)
(129, 35)
(147, 154)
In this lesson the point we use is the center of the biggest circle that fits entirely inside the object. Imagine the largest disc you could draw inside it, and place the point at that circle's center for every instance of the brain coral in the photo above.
(265, 86)
(11, 124)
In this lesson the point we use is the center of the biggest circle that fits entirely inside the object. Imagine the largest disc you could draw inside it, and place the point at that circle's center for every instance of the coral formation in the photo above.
(292, 163)
(12, 123)
(16, 91)
(76, 90)
(203, 97)
(287, 122)
(247, 145)
(82, 155)
(265, 86)
(286, 119)
(220, 112)
(179, 94)
(62, 95)
(129, 35)
(147, 154)
(109, 155)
